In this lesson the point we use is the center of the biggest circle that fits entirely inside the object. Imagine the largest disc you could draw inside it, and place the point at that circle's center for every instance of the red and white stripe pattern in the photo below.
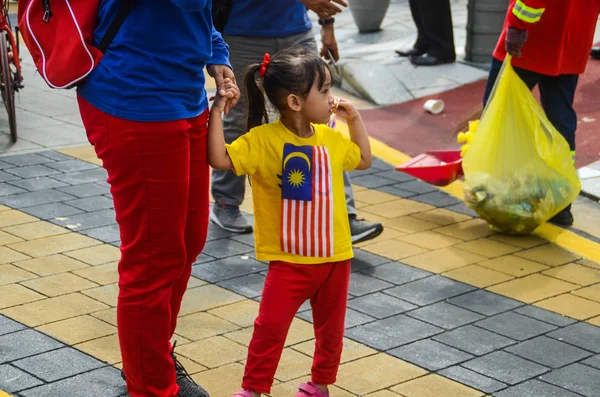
(307, 226)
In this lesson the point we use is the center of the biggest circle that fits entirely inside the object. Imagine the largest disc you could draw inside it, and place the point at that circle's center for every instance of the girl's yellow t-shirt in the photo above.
(300, 213)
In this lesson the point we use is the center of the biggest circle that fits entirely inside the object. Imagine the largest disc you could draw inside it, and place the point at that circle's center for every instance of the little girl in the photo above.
(301, 223)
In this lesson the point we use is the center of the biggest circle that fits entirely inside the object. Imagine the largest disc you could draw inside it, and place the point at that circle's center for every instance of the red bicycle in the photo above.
(10, 68)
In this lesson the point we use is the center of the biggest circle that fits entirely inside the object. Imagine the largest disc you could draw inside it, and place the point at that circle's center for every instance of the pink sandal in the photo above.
(309, 389)
(243, 393)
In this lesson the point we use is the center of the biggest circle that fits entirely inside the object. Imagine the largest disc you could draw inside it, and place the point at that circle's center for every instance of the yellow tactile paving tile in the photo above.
(54, 245)
(430, 240)
(393, 249)
(549, 254)
(434, 385)
(34, 230)
(96, 255)
(533, 288)
(49, 265)
(592, 292)
(572, 306)
(77, 330)
(575, 273)
(443, 260)
(488, 247)
(477, 276)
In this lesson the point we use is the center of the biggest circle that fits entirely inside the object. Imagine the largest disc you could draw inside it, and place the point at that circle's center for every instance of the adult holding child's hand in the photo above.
(325, 8)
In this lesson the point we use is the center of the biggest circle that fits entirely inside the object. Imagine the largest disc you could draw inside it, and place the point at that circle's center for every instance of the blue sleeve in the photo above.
(191, 5)
(220, 50)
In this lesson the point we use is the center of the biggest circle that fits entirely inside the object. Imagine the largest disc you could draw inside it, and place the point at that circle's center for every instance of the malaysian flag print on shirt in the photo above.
(307, 201)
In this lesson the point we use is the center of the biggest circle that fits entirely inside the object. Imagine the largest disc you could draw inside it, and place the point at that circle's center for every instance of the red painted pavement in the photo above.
(408, 128)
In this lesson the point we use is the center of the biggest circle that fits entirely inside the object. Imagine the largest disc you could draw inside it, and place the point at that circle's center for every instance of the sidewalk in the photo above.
(439, 306)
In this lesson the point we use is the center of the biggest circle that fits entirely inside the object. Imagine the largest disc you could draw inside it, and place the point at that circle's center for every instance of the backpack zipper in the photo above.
(47, 11)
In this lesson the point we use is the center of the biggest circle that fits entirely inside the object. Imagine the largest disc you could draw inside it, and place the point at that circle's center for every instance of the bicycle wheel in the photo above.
(8, 86)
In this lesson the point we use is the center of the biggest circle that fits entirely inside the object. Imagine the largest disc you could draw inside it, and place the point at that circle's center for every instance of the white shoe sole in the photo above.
(367, 235)
(215, 220)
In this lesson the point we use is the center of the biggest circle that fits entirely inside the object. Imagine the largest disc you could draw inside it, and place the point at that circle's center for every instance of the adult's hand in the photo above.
(329, 43)
(515, 40)
(325, 8)
(221, 73)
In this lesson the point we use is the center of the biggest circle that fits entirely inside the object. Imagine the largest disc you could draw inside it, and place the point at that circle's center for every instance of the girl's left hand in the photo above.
(344, 109)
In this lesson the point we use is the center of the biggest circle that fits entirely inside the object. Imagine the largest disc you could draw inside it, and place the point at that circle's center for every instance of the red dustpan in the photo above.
(437, 167)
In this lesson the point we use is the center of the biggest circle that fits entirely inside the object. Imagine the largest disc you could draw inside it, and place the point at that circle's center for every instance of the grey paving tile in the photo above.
(107, 234)
(4, 165)
(13, 379)
(438, 199)
(473, 379)
(392, 332)
(416, 186)
(103, 382)
(548, 352)
(535, 388)
(7, 189)
(224, 248)
(593, 361)
(582, 335)
(545, 315)
(474, 340)
(32, 171)
(5, 177)
(365, 260)
(393, 190)
(215, 233)
(25, 343)
(7, 325)
(72, 165)
(372, 181)
(445, 315)
(58, 364)
(51, 211)
(87, 176)
(484, 302)
(86, 190)
(31, 199)
(250, 285)
(430, 354)
(462, 209)
(87, 220)
(577, 378)
(26, 159)
(358, 173)
(361, 284)
(56, 156)
(381, 165)
(353, 318)
(227, 268)
(203, 258)
(94, 203)
(396, 273)
(247, 239)
(505, 367)
(380, 305)
(515, 326)
(429, 290)
(395, 175)
(40, 183)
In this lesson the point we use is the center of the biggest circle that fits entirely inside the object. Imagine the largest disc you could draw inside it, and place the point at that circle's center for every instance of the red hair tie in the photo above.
(264, 64)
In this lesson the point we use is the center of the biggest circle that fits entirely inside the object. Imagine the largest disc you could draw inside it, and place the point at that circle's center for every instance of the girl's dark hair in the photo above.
(291, 71)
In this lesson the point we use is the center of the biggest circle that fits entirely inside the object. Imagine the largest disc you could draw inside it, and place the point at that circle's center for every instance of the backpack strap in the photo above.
(113, 29)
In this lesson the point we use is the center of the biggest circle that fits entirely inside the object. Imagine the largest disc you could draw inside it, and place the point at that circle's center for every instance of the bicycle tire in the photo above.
(8, 90)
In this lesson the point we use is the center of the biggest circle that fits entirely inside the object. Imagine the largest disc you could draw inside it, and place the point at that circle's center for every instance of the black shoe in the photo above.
(413, 52)
(187, 386)
(362, 230)
(563, 218)
(429, 60)
(595, 53)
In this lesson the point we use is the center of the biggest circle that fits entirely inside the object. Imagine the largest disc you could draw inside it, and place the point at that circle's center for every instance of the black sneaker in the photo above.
(563, 218)
(187, 386)
(362, 230)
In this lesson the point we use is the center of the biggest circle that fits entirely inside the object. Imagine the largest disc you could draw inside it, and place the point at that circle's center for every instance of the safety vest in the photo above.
(560, 34)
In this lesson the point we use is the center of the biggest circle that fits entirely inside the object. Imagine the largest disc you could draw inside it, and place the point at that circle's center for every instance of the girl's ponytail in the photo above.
(257, 111)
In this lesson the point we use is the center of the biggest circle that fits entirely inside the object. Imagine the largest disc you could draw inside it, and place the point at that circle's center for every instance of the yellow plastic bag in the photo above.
(518, 170)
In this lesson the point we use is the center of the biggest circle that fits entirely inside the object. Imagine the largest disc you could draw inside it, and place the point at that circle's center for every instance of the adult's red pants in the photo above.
(287, 287)
(158, 175)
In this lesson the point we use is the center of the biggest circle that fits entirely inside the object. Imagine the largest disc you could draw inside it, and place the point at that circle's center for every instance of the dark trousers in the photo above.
(433, 19)
(557, 94)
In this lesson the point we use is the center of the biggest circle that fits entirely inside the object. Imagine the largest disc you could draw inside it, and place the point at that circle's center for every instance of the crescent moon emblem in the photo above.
(296, 154)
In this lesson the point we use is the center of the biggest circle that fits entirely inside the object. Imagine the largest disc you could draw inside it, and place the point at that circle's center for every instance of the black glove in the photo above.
(515, 40)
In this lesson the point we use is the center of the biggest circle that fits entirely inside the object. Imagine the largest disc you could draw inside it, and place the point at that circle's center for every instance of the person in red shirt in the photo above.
(550, 41)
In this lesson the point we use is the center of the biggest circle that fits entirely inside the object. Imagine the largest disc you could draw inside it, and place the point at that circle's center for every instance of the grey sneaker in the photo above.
(362, 230)
(229, 218)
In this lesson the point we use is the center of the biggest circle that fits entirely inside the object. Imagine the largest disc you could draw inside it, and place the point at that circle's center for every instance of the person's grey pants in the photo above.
(228, 188)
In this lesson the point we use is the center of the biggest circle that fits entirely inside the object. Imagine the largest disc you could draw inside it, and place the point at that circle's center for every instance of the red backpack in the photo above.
(59, 36)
